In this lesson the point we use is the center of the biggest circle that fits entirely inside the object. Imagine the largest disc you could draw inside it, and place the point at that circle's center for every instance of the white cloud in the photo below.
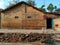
(1, 4)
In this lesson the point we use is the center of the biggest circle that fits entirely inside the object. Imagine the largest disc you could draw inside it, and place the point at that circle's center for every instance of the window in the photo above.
(16, 17)
(29, 17)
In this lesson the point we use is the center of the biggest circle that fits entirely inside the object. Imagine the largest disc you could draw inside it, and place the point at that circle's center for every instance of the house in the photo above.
(25, 16)
(57, 23)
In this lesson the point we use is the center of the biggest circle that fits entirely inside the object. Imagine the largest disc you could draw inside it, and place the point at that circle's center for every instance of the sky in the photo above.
(39, 3)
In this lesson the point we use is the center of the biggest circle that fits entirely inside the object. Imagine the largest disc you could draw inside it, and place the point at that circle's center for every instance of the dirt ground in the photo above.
(21, 43)
(14, 44)
(25, 31)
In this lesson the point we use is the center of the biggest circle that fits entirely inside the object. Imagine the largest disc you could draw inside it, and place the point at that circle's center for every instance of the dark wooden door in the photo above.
(49, 23)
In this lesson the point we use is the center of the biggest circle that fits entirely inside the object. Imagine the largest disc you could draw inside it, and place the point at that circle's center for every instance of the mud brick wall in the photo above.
(17, 18)
(57, 24)
(21, 37)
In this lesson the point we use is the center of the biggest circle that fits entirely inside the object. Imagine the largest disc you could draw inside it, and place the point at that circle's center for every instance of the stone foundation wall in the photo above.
(21, 37)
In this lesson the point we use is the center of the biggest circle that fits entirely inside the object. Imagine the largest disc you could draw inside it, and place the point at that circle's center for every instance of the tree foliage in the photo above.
(31, 2)
(42, 8)
(51, 7)
(13, 2)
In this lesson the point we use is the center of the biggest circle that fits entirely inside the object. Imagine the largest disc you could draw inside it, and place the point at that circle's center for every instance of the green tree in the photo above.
(55, 7)
(51, 8)
(31, 2)
(42, 8)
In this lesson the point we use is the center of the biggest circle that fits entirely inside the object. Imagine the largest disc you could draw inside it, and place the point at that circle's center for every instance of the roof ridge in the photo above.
(21, 3)
(26, 4)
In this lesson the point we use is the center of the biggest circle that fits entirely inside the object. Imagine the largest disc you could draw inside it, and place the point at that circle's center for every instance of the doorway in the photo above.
(49, 23)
